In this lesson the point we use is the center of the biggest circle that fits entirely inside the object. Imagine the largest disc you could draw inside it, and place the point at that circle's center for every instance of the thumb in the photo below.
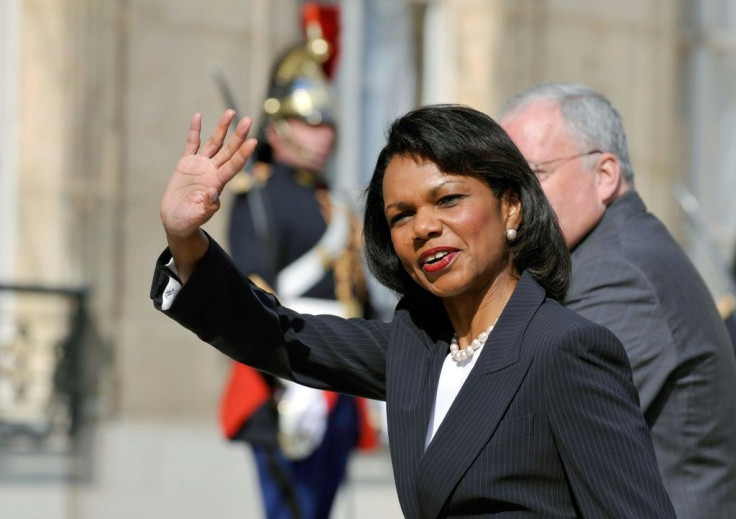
(208, 206)
(212, 202)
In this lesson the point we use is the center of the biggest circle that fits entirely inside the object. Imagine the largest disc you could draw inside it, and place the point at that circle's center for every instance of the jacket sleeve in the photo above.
(600, 432)
(224, 309)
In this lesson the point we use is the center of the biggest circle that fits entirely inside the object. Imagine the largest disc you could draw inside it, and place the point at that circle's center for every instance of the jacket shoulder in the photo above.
(554, 325)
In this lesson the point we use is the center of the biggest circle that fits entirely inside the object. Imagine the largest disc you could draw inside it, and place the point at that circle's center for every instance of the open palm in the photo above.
(192, 193)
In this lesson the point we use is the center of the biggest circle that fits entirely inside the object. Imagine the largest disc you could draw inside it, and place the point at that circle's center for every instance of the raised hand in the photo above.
(192, 195)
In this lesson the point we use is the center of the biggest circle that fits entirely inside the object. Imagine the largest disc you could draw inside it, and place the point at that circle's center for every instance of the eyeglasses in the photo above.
(542, 174)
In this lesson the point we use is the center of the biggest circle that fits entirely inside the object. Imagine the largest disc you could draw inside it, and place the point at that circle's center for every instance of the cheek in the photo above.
(400, 245)
(404, 250)
(553, 192)
(330, 140)
(321, 139)
(478, 226)
(583, 204)
(485, 234)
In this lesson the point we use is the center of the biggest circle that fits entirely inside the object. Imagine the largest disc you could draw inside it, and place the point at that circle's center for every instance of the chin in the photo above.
(443, 289)
(316, 166)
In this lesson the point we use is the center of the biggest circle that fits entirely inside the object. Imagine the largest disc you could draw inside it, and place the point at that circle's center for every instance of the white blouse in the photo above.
(452, 378)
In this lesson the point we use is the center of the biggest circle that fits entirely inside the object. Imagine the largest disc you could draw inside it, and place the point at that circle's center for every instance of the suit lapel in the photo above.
(481, 403)
(411, 379)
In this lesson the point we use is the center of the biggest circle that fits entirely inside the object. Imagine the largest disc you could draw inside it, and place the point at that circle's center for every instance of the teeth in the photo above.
(435, 257)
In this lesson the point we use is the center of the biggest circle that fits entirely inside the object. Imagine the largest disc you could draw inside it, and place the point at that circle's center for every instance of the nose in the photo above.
(426, 225)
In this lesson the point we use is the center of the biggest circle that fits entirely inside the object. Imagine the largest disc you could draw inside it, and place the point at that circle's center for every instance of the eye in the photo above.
(450, 200)
(398, 218)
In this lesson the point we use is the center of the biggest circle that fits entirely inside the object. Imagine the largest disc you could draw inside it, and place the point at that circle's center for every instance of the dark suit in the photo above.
(546, 425)
(630, 276)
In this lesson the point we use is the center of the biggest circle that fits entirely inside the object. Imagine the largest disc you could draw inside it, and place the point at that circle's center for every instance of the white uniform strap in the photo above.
(304, 272)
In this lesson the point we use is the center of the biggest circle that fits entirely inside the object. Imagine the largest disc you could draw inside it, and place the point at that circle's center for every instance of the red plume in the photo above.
(325, 18)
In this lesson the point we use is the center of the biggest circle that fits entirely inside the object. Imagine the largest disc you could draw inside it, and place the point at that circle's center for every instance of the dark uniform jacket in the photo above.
(295, 223)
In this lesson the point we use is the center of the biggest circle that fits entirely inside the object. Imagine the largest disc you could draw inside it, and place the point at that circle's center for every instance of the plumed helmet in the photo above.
(299, 86)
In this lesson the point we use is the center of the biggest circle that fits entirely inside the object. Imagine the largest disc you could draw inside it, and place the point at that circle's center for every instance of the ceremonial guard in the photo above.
(289, 234)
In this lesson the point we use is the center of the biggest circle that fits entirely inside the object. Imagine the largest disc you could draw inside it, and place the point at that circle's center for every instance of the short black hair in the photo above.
(462, 141)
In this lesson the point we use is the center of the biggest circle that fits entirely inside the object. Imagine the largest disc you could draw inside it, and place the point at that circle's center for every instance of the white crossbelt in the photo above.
(306, 271)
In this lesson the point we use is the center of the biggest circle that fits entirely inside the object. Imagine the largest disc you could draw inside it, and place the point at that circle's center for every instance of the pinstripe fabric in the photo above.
(630, 276)
(546, 425)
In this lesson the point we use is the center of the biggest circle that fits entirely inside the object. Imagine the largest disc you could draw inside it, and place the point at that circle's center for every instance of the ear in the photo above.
(608, 177)
(511, 207)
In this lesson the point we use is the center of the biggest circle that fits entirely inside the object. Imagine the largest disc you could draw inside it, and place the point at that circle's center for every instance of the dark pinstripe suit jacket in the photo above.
(630, 276)
(547, 424)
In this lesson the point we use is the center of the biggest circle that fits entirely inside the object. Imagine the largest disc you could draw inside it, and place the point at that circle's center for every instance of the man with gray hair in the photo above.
(630, 275)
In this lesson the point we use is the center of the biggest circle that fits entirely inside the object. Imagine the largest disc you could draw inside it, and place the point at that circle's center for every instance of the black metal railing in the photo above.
(50, 355)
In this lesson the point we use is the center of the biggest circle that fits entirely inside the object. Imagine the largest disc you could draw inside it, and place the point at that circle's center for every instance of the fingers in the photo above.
(233, 143)
(231, 158)
(195, 128)
(214, 143)
(235, 163)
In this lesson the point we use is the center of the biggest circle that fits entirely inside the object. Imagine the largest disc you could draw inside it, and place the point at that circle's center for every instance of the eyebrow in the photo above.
(432, 192)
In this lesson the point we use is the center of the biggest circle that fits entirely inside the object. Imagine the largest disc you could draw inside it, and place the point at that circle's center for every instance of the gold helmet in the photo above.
(299, 86)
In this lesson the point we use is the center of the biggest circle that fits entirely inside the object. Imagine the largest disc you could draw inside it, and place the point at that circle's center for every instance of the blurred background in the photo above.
(107, 408)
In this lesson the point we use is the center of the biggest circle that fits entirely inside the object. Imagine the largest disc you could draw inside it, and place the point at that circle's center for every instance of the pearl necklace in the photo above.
(459, 355)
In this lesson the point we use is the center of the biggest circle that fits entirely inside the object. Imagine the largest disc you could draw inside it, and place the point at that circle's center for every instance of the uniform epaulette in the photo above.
(245, 180)
(242, 183)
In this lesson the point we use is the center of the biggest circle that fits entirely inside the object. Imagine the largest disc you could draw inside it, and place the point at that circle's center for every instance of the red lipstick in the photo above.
(431, 263)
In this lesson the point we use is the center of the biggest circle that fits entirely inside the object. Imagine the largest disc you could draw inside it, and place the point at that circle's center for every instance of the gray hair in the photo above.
(591, 119)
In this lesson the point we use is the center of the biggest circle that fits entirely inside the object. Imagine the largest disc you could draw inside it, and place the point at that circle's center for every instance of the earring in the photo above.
(511, 234)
